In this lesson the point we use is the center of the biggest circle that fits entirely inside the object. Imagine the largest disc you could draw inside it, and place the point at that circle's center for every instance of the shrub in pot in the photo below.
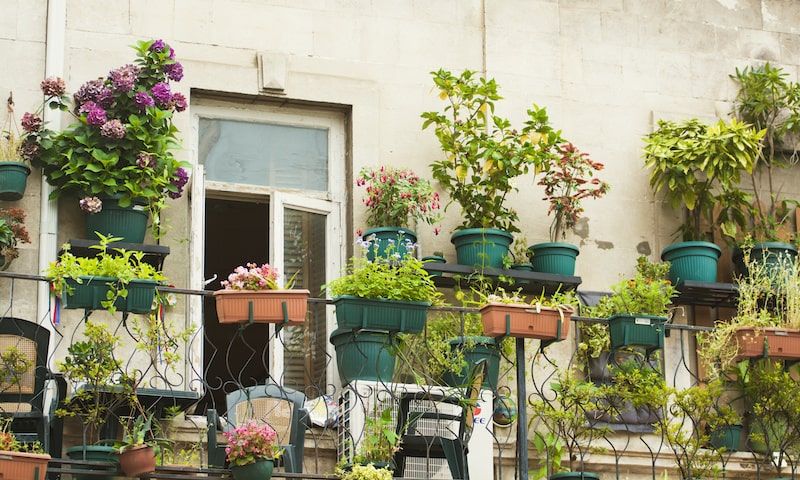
(137, 451)
(12, 233)
(396, 200)
(117, 155)
(252, 293)
(699, 167)
(484, 154)
(15, 152)
(567, 180)
(251, 451)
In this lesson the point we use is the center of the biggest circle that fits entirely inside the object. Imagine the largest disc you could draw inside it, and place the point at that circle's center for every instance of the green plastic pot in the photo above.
(481, 247)
(13, 180)
(475, 349)
(260, 470)
(364, 355)
(382, 237)
(574, 475)
(129, 223)
(694, 261)
(554, 257)
(638, 330)
(95, 453)
(774, 255)
(727, 437)
(378, 314)
(90, 294)
(522, 267)
(434, 259)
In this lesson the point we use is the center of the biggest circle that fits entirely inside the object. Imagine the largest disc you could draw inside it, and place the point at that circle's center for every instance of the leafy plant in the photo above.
(10, 443)
(120, 264)
(550, 451)
(122, 140)
(518, 253)
(404, 280)
(484, 153)
(398, 198)
(380, 441)
(250, 443)
(567, 181)
(12, 232)
(769, 101)
(699, 167)
(364, 472)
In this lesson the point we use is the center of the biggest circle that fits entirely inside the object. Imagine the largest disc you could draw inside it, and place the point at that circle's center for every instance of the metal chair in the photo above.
(280, 407)
(22, 393)
(445, 442)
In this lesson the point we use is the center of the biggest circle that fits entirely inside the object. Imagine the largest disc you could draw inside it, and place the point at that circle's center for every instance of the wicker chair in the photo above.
(280, 407)
(22, 393)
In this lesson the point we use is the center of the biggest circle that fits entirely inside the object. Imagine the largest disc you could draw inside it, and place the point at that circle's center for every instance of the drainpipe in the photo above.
(48, 211)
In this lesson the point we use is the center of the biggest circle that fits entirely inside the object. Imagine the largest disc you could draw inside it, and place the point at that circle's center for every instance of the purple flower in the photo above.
(113, 129)
(31, 122)
(178, 101)
(157, 46)
(95, 115)
(94, 91)
(161, 93)
(180, 180)
(174, 71)
(30, 149)
(171, 53)
(91, 204)
(53, 87)
(144, 160)
(143, 100)
(123, 78)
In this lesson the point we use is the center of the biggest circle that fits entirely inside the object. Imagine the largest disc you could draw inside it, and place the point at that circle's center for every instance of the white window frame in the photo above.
(331, 203)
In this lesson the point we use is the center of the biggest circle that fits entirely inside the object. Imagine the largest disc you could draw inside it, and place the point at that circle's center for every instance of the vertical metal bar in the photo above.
(522, 419)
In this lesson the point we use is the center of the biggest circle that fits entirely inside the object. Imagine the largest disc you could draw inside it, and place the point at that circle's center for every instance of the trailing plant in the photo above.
(484, 153)
(769, 101)
(567, 181)
(250, 443)
(12, 233)
(122, 140)
(402, 279)
(398, 198)
(699, 167)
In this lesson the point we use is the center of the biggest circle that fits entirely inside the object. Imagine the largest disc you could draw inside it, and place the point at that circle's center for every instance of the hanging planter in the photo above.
(378, 314)
(646, 331)
(382, 241)
(128, 223)
(525, 321)
(364, 355)
(234, 306)
(775, 343)
(475, 349)
(137, 461)
(481, 247)
(694, 261)
(554, 257)
(13, 180)
(94, 290)
(23, 465)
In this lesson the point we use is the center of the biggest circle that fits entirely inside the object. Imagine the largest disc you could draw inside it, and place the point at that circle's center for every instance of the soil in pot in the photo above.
(481, 247)
(554, 257)
(694, 261)
(475, 349)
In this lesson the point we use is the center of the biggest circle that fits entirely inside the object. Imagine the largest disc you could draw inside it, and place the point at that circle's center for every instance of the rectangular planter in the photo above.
(525, 321)
(94, 290)
(23, 466)
(776, 343)
(377, 314)
(233, 306)
(645, 331)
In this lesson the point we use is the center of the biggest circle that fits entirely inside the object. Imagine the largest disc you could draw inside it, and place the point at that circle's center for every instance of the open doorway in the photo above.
(236, 232)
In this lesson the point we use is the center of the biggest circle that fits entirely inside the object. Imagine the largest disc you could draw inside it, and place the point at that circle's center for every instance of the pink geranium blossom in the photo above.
(250, 443)
(252, 277)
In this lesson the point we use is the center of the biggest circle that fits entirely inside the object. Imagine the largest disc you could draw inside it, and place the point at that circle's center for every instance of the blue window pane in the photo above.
(264, 154)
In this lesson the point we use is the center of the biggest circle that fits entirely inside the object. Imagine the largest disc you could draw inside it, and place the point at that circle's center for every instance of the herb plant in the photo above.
(398, 198)
(484, 153)
(403, 280)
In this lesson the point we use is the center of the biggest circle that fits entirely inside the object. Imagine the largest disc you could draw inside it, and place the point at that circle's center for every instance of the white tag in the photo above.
(782, 333)
(642, 321)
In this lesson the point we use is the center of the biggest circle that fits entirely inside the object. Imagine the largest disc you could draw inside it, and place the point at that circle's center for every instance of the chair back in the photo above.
(23, 365)
(279, 407)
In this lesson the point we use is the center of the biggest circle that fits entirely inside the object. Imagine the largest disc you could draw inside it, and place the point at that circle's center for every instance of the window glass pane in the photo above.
(264, 154)
(304, 257)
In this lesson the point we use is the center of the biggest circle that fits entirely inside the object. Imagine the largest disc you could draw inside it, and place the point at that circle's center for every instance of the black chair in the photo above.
(22, 393)
(440, 440)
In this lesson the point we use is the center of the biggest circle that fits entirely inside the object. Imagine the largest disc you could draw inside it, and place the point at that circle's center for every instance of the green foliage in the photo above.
(550, 451)
(404, 279)
(483, 152)
(364, 472)
(161, 340)
(699, 167)
(638, 385)
(648, 292)
(13, 366)
(118, 263)
(380, 441)
(9, 442)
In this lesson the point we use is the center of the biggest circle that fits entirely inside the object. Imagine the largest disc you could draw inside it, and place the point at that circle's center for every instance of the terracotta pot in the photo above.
(775, 343)
(525, 321)
(28, 466)
(233, 305)
(137, 460)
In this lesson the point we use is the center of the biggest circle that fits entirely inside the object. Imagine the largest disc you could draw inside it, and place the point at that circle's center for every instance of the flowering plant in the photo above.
(121, 142)
(11, 140)
(12, 231)
(398, 197)
(250, 443)
(567, 181)
(252, 277)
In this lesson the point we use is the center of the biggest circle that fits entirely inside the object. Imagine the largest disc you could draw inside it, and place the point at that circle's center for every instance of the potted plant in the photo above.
(568, 179)
(396, 200)
(518, 258)
(379, 443)
(699, 168)
(115, 279)
(12, 232)
(20, 460)
(767, 99)
(136, 453)
(484, 154)
(437, 257)
(374, 301)
(14, 169)
(544, 318)
(252, 293)
(251, 451)
(117, 156)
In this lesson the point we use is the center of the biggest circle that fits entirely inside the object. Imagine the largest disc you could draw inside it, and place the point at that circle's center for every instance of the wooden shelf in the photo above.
(447, 275)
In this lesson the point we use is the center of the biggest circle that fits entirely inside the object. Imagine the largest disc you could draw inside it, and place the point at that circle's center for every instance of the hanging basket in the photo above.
(13, 180)
(378, 314)
(525, 321)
